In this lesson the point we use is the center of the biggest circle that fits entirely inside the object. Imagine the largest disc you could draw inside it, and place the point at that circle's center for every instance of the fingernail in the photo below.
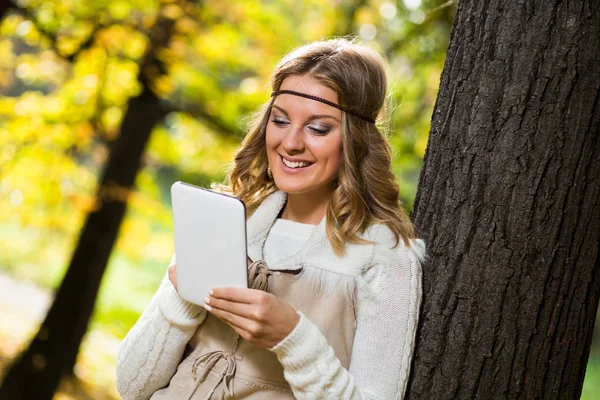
(211, 292)
(206, 300)
(207, 307)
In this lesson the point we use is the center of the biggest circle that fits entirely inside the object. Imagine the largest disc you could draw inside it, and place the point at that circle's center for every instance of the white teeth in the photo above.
(296, 164)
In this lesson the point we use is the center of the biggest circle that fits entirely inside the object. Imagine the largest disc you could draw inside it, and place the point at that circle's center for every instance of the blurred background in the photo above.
(69, 72)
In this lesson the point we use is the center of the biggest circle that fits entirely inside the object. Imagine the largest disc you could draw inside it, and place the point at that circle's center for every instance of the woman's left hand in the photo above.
(257, 316)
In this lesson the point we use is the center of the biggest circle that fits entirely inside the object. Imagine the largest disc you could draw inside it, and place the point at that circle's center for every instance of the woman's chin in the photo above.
(302, 187)
(292, 189)
(289, 186)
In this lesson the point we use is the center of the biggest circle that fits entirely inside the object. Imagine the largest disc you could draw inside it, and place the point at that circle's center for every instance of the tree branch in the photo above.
(209, 120)
(52, 38)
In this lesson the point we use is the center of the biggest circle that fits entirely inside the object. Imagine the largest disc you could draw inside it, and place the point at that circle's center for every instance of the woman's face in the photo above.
(304, 138)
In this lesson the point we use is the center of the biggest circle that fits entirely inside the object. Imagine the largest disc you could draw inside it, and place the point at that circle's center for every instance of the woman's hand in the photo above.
(173, 275)
(257, 316)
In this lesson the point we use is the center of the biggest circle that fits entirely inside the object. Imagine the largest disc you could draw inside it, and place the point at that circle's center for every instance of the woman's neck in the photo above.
(306, 208)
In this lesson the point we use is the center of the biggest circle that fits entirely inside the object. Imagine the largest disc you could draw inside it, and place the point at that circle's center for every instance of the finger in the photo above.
(242, 332)
(235, 321)
(173, 275)
(238, 295)
(238, 330)
(242, 309)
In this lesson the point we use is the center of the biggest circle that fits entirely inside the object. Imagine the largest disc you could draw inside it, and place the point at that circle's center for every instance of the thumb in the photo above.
(173, 275)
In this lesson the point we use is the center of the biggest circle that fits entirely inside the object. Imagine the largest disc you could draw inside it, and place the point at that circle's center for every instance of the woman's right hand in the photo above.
(173, 275)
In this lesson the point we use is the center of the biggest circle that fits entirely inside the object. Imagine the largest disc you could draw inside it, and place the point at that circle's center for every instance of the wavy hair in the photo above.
(367, 191)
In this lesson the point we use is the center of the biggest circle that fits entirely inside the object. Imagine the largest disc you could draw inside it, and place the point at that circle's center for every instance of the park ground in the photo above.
(22, 307)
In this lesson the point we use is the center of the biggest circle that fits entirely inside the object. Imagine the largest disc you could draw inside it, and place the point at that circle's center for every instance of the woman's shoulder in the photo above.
(388, 248)
(394, 268)
(380, 249)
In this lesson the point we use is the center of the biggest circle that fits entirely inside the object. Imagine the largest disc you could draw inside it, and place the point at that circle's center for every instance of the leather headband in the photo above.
(329, 103)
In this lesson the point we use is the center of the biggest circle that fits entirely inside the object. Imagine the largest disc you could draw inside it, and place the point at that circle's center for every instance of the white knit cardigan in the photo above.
(389, 294)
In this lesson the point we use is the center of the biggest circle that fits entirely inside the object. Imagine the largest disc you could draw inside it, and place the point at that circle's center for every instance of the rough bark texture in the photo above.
(508, 203)
(53, 351)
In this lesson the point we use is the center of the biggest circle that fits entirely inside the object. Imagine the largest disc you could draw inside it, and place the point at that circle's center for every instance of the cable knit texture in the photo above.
(383, 343)
(379, 364)
(153, 348)
(387, 282)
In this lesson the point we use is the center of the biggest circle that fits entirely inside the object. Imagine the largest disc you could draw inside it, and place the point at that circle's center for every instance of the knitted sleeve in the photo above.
(153, 348)
(383, 342)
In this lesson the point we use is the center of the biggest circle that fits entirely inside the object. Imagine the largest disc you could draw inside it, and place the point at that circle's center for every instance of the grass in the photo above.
(591, 384)
(125, 292)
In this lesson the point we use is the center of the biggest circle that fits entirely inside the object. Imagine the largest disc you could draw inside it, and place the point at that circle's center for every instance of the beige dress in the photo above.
(220, 365)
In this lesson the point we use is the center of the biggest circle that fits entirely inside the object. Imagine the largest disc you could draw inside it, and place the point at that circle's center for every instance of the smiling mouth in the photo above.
(295, 164)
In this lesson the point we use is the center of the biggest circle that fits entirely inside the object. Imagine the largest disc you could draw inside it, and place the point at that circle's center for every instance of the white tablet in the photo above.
(210, 241)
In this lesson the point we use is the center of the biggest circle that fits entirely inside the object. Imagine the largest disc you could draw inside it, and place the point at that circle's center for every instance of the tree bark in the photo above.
(508, 203)
(52, 353)
(4, 7)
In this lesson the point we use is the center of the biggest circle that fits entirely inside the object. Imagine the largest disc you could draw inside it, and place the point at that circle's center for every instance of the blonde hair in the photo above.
(366, 191)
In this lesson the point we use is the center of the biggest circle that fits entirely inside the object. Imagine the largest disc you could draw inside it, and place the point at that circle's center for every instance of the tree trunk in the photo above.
(4, 7)
(52, 353)
(508, 203)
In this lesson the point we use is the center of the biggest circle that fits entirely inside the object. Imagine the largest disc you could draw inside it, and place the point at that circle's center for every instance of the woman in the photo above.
(335, 282)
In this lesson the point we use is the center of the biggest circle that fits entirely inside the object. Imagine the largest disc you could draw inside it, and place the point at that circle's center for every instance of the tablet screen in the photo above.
(210, 241)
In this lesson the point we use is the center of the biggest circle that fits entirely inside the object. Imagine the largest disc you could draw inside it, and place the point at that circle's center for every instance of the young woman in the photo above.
(335, 278)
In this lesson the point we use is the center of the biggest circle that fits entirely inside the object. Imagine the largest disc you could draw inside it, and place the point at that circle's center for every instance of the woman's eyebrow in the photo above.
(281, 109)
(312, 117)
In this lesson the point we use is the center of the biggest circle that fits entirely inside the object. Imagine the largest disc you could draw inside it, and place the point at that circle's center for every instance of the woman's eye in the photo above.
(279, 122)
(320, 131)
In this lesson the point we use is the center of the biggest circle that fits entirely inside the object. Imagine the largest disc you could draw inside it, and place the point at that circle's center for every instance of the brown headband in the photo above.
(329, 103)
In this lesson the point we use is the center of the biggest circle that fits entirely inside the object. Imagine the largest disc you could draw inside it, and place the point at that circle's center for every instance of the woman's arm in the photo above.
(153, 348)
(383, 343)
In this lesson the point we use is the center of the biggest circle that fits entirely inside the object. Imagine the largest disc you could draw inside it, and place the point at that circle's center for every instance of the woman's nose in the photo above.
(294, 140)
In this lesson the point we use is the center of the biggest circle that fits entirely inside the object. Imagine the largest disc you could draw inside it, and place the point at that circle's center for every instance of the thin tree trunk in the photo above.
(52, 353)
(508, 202)
(4, 7)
